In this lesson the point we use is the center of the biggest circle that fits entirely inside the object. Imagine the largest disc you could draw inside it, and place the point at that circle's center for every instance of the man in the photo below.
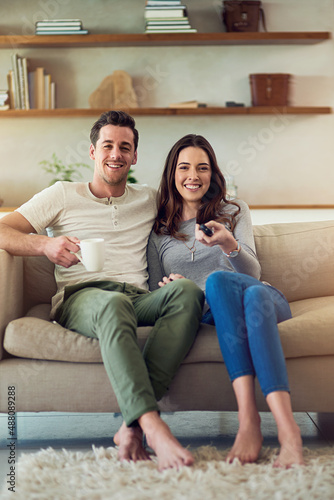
(109, 305)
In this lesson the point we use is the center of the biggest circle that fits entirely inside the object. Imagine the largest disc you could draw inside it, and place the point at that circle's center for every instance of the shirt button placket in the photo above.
(115, 215)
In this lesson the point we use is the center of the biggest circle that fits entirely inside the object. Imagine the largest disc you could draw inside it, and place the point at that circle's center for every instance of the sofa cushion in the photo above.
(40, 339)
(308, 333)
(300, 307)
(297, 258)
(35, 337)
(39, 281)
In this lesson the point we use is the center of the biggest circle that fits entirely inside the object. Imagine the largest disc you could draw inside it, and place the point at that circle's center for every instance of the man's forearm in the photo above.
(17, 242)
(18, 237)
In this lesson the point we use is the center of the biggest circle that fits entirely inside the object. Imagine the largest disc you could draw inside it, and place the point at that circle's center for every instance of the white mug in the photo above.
(92, 254)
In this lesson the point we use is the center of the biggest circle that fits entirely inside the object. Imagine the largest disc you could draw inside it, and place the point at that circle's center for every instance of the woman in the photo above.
(244, 310)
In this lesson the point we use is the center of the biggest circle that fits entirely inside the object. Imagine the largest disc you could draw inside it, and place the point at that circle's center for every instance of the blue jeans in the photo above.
(245, 313)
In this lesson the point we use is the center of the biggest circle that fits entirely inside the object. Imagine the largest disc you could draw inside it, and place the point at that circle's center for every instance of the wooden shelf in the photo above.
(142, 39)
(252, 207)
(257, 110)
(291, 207)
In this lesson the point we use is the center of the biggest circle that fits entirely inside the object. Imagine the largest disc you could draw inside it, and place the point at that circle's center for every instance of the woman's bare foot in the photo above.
(130, 443)
(169, 451)
(291, 452)
(288, 431)
(248, 442)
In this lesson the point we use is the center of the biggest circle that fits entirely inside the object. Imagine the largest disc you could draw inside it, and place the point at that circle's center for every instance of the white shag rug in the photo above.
(99, 475)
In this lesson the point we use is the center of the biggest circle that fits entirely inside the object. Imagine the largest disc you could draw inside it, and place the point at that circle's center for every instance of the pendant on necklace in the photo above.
(191, 249)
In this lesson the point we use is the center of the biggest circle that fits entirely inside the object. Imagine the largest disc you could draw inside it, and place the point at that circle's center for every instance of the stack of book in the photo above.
(60, 27)
(4, 101)
(167, 16)
(29, 89)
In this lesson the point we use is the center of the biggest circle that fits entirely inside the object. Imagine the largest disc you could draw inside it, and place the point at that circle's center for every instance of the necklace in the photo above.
(191, 249)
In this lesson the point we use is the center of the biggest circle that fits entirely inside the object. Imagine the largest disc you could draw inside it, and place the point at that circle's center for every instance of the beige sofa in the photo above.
(54, 369)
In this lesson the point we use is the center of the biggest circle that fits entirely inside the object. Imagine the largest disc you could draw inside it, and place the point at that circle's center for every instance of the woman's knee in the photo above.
(219, 280)
(257, 293)
(258, 299)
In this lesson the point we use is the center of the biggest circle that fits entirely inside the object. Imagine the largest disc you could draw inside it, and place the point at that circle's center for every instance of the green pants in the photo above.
(111, 312)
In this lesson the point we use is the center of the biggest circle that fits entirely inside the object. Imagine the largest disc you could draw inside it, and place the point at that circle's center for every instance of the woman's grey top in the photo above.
(167, 255)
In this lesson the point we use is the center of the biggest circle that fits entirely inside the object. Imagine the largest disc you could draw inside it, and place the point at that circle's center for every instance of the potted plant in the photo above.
(131, 178)
(62, 172)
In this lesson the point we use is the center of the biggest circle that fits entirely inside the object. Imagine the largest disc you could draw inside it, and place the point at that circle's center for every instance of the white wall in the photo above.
(276, 160)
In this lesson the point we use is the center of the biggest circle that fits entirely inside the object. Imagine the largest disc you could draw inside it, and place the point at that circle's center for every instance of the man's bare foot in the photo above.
(130, 443)
(168, 450)
(248, 442)
(291, 452)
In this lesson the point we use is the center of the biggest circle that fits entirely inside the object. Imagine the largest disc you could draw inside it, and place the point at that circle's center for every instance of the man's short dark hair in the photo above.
(118, 118)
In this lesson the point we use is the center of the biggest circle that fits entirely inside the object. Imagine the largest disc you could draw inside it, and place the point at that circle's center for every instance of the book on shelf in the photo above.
(162, 3)
(165, 6)
(53, 96)
(39, 88)
(43, 90)
(169, 26)
(25, 83)
(23, 95)
(62, 32)
(171, 30)
(60, 27)
(10, 84)
(166, 17)
(18, 83)
(187, 104)
(165, 12)
(29, 89)
(47, 91)
(157, 21)
(15, 82)
(58, 22)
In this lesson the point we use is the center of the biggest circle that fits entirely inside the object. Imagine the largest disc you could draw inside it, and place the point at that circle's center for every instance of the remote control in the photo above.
(206, 230)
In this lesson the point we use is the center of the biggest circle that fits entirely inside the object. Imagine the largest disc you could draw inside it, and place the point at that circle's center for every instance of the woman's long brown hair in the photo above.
(169, 200)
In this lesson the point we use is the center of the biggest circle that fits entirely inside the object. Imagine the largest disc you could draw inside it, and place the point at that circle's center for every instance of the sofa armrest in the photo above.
(11, 291)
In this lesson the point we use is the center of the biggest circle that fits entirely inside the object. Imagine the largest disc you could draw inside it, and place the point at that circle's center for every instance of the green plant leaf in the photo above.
(62, 172)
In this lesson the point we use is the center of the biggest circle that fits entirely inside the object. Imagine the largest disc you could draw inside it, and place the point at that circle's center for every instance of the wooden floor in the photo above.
(193, 429)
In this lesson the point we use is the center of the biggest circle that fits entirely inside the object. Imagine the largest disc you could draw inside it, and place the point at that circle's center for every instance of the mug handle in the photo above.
(77, 255)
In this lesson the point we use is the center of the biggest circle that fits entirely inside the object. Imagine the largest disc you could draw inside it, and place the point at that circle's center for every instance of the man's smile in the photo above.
(112, 165)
